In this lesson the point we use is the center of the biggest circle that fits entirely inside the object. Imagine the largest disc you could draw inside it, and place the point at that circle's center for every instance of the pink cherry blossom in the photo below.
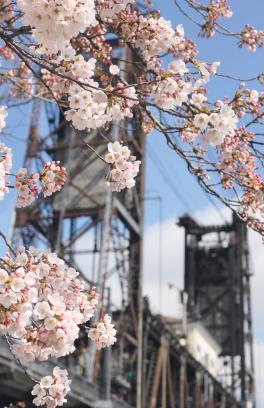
(43, 303)
(27, 187)
(124, 167)
(114, 69)
(56, 22)
(3, 115)
(52, 389)
(104, 333)
(52, 177)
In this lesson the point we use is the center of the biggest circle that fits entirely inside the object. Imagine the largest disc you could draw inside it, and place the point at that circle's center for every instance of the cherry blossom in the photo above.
(251, 38)
(103, 334)
(6, 157)
(178, 67)
(92, 109)
(171, 92)
(114, 69)
(215, 10)
(27, 187)
(5, 166)
(108, 8)
(42, 305)
(124, 167)
(3, 188)
(56, 22)
(52, 177)
(198, 99)
(52, 389)
(3, 115)
(189, 134)
(217, 125)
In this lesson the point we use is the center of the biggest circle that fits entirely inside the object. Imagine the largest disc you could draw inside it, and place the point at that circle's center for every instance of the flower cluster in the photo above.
(42, 304)
(56, 22)
(52, 177)
(182, 47)
(189, 134)
(215, 10)
(5, 166)
(238, 165)
(235, 159)
(103, 334)
(151, 34)
(252, 38)
(91, 109)
(78, 69)
(3, 115)
(108, 8)
(171, 92)
(216, 126)
(124, 167)
(52, 389)
(26, 187)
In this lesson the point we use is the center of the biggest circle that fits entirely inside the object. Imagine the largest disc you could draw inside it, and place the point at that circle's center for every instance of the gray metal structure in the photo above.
(217, 280)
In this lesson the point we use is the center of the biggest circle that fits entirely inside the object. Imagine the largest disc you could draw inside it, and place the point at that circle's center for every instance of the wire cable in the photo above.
(169, 181)
(167, 178)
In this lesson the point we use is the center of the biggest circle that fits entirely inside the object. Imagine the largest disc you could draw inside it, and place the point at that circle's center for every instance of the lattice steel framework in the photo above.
(217, 280)
(95, 231)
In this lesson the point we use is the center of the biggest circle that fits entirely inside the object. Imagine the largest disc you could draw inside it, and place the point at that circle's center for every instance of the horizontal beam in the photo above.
(126, 217)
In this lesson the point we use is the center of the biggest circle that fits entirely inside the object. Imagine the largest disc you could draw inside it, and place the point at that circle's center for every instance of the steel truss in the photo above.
(217, 280)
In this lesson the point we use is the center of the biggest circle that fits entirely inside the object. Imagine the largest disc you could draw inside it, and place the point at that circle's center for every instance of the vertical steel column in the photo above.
(69, 130)
(197, 393)
(182, 382)
(103, 258)
(107, 358)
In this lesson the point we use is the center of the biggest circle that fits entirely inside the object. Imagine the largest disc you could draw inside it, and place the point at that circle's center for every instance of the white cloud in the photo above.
(259, 373)
(172, 265)
(257, 281)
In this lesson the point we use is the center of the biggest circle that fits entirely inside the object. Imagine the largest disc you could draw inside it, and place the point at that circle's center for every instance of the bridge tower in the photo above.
(217, 281)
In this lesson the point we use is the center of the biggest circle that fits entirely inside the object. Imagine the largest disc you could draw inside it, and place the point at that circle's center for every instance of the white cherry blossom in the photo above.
(3, 115)
(3, 276)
